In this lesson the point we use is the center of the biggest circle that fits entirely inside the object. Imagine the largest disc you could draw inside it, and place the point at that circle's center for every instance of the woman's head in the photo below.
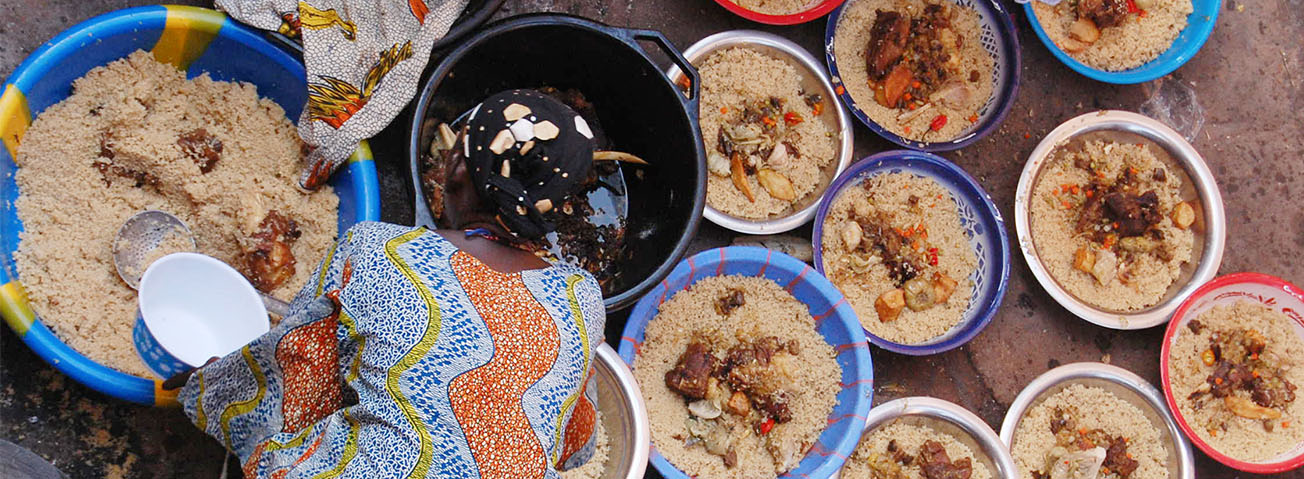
(523, 152)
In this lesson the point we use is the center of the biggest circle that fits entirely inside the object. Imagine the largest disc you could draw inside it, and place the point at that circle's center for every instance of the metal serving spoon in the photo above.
(143, 232)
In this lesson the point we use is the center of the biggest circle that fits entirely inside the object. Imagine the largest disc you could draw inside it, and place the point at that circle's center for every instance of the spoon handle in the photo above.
(275, 306)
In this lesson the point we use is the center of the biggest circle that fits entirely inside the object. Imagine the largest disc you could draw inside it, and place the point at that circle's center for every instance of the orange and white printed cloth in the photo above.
(407, 357)
(364, 58)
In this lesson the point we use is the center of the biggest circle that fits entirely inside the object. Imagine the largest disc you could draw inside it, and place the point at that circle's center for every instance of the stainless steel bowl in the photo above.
(814, 79)
(1122, 383)
(949, 418)
(623, 415)
(1198, 184)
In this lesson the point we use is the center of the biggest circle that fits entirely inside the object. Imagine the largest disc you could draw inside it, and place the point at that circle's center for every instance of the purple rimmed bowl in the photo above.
(834, 320)
(980, 220)
(999, 40)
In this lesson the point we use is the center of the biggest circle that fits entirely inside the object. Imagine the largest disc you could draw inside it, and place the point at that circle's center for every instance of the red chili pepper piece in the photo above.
(938, 123)
(767, 425)
(792, 118)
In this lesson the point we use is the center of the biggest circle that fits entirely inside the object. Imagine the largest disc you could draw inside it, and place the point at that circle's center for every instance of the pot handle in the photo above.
(420, 210)
(678, 58)
(283, 42)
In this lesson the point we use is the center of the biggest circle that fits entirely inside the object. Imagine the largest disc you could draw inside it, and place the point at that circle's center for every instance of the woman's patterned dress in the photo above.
(434, 365)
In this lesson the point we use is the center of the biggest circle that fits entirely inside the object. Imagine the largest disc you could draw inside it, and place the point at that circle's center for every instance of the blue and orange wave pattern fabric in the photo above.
(458, 370)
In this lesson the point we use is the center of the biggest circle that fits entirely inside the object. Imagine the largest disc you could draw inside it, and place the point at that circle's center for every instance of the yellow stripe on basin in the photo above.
(186, 34)
(14, 118)
(363, 153)
(14, 307)
(165, 397)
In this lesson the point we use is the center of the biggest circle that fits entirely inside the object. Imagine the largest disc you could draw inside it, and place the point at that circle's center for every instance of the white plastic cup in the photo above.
(193, 307)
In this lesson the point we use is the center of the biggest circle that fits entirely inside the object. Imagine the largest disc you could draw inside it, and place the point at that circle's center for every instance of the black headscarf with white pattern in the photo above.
(526, 153)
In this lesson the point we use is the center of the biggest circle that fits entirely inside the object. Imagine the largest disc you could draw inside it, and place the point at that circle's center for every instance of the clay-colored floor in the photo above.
(1247, 79)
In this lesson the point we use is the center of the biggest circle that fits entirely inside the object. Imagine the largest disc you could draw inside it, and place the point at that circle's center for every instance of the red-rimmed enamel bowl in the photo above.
(818, 8)
(1267, 290)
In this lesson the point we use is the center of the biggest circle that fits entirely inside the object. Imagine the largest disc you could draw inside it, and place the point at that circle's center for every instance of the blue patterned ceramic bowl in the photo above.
(980, 219)
(999, 40)
(196, 39)
(834, 319)
(1199, 25)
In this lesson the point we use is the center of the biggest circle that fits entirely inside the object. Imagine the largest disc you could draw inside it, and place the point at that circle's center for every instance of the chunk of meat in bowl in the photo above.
(1105, 13)
(936, 464)
(269, 263)
(887, 42)
(691, 375)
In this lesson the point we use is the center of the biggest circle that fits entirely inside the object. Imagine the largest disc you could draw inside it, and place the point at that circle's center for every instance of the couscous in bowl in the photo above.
(983, 231)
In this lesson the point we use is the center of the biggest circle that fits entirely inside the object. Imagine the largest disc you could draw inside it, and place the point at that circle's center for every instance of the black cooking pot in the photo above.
(474, 15)
(640, 109)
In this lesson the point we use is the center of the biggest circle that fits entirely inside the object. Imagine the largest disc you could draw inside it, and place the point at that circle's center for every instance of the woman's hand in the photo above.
(178, 380)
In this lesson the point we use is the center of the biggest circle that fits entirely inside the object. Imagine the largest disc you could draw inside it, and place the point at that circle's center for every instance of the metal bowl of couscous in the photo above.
(766, 214)
(624, 442)
(1054, 264)
(896, 430)
(1124, 405)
